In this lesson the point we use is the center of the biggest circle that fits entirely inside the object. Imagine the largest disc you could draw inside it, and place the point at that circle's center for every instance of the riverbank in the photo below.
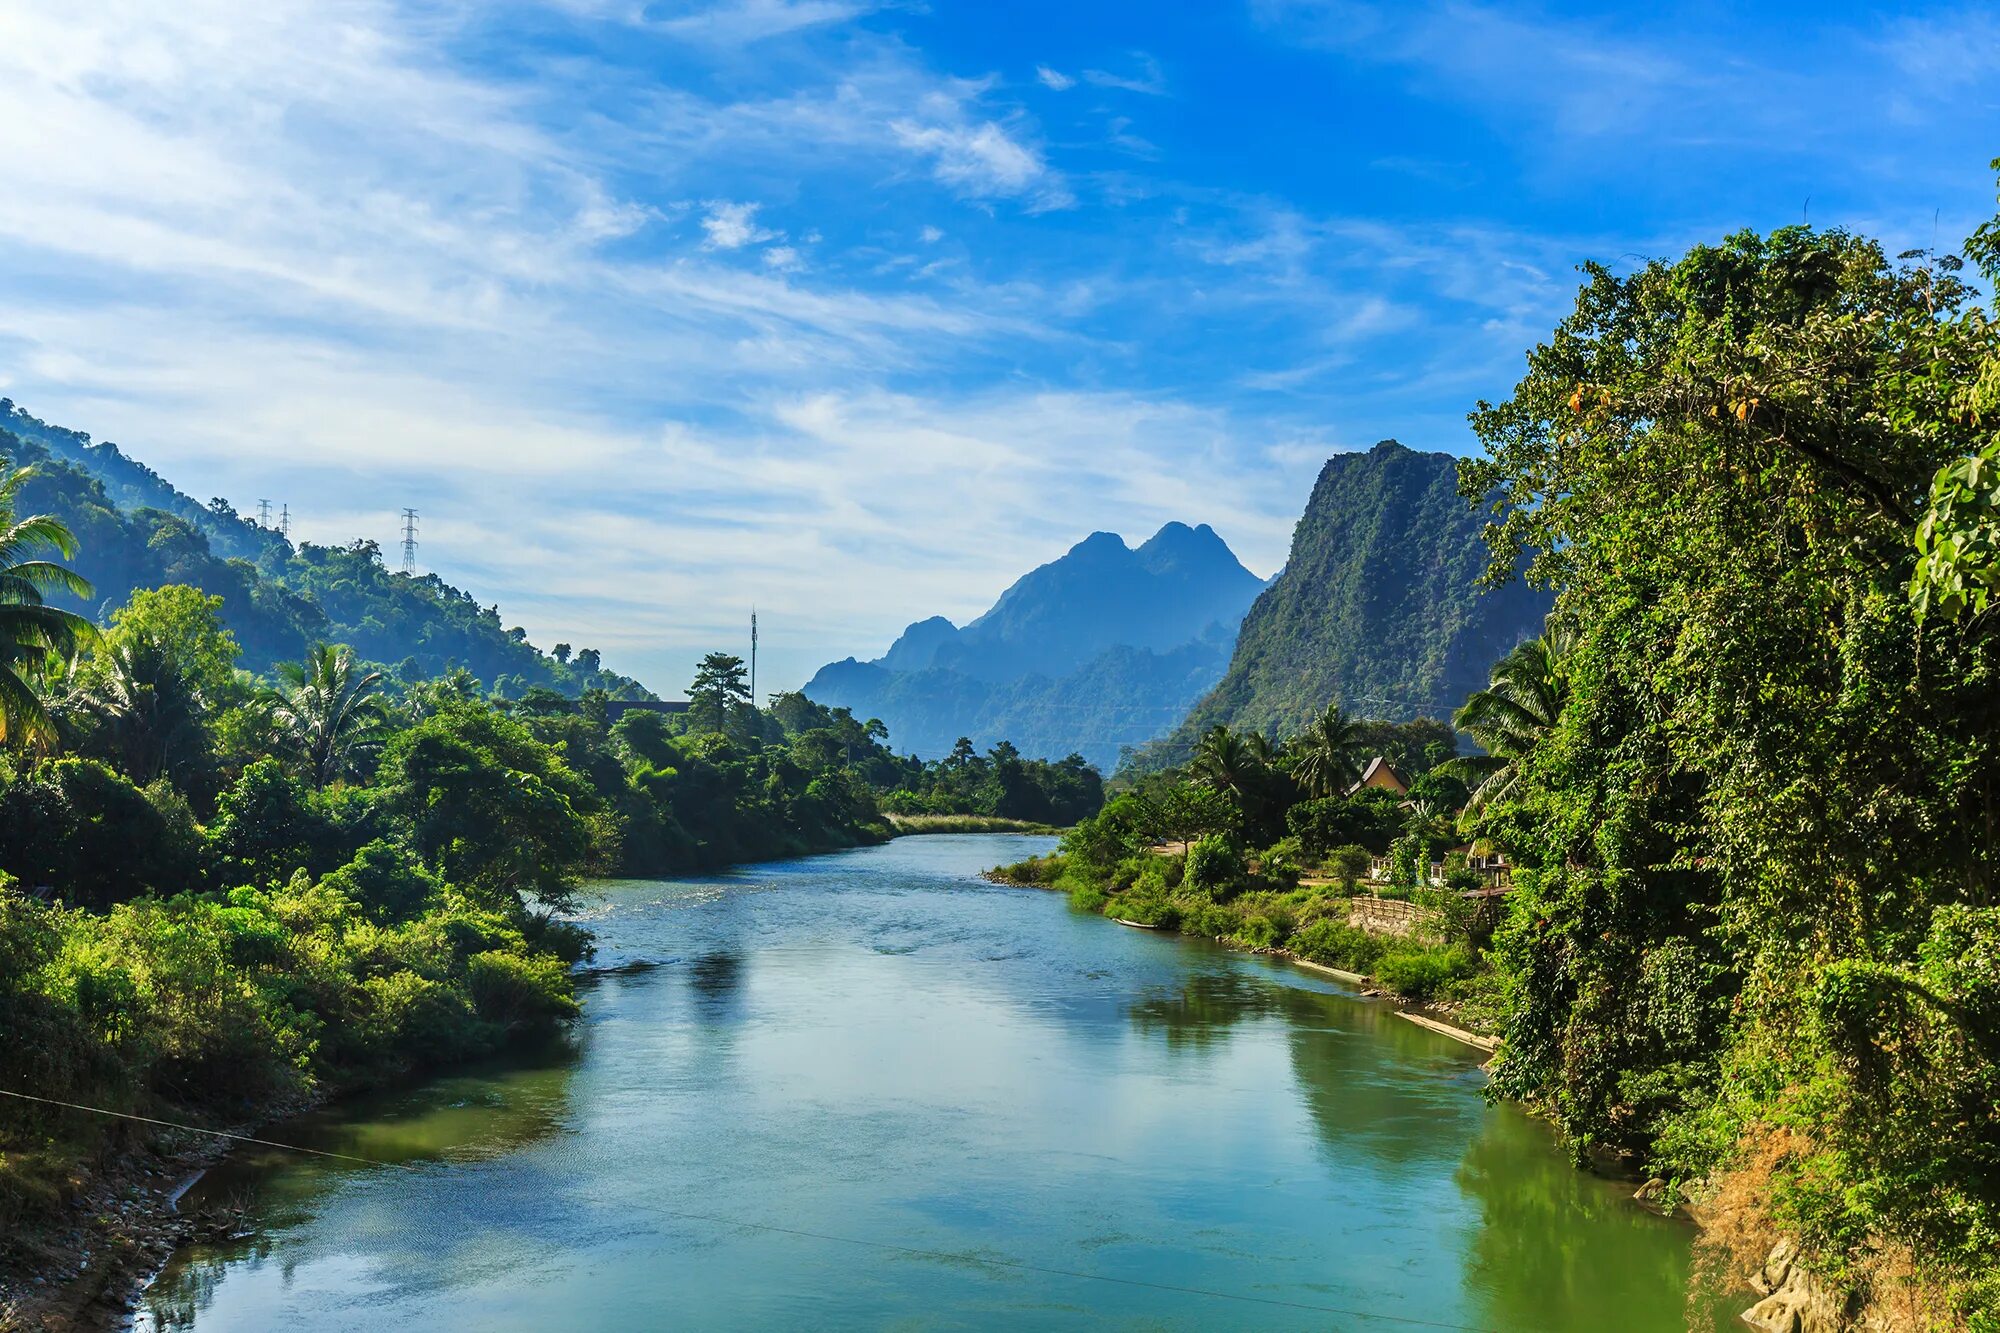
(918, 824)
(1308, 925)
(89, 1265)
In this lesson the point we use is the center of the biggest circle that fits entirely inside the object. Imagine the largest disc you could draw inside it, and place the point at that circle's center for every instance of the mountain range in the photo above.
(1097, 651)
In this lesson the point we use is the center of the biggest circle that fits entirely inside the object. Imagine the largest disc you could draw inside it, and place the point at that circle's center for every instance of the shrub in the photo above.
(1423, 973)
(1337, 944)
(517, 992)
(1214, 865)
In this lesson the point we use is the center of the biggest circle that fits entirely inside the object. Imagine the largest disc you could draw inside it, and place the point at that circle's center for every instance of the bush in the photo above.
(1421, 974)
(1337, 944)
(517, 992)
(1215, 866)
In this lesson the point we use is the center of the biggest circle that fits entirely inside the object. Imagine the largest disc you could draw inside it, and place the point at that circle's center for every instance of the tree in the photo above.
(328, 707)
(1508, 717)
(492, 810)
(32, 633)
(1328, 753)
(1767, 793)
(1349, 864)
(150, 710)
(588, 659)
(1226, 763)
(561, 653)
(1958, 540)
(718, 690)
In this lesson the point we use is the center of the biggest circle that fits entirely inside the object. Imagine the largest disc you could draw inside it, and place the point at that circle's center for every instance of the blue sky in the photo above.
(858, 311)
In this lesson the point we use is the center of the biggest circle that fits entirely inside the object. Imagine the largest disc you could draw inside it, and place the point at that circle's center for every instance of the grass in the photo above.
(907, 824)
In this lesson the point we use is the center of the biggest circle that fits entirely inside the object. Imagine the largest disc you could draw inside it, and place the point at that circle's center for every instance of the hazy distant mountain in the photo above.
(1378, 606)
(1101, 649)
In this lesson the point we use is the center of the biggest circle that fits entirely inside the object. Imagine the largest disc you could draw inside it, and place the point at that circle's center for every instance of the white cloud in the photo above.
(736, 22)
(983, 161)
(731, 226)
(783, 258)
(1054, 78)
(930, 235)
(1150, 79)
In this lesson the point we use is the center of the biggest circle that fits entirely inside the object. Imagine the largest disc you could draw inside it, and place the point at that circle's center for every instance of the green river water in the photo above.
(869, 1090)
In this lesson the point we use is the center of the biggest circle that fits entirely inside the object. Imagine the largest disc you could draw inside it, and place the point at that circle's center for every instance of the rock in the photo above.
(1656, 1196)
(1797, 1302)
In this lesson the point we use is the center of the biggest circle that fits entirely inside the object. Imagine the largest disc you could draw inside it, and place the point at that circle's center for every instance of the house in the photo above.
(1381, 774)
(1491, 865)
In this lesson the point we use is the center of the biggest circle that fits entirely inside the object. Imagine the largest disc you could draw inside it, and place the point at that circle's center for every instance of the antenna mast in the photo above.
(409, 541)
(753, 657)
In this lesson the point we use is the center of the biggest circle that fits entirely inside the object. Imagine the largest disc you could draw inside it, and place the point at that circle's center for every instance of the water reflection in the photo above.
(1555, 1243)
(717, 981)
(431, 1140)
(1202, 1010)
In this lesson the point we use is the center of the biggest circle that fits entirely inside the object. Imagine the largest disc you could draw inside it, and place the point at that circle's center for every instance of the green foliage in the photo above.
(1958, 540)
(34, 636)
(1760, 822)
(1214, 865)
(1371, 819)
(82, 831)
(999, 783)
(1422, 974)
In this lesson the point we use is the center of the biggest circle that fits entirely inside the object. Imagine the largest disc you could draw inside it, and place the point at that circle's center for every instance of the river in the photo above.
(869, 1090)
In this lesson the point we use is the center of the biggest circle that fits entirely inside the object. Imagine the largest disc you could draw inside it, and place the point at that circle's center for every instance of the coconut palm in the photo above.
(328, 707)
(33, 635)
(151, 712)
(1328, 753)
(1229, 763)
(1520, 704)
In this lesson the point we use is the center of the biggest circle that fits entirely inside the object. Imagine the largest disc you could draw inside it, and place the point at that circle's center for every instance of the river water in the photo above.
(869, 1090)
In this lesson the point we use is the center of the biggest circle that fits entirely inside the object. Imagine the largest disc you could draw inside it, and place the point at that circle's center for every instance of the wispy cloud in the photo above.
(982, 159)
(1147, 77)
(1055, 79)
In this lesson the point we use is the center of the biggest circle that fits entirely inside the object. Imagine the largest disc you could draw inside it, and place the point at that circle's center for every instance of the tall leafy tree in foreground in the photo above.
(33, 634)
(329, 708)
(1328, 753)
(1752, 944)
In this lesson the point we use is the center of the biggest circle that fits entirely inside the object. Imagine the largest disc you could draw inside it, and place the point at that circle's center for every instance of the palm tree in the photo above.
(33, 635)
(1329, 753)
(152, 712)
(1518, 707)
(327, 705)
(1229, 763)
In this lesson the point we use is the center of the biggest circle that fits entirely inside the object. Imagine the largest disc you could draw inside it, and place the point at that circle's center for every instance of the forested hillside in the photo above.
(1379, 607)
(136, 531)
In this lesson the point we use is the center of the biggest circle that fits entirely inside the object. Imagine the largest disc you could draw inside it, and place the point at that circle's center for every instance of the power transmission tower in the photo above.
(263, 513)
(285, 522)
(409, 541)
(753, 657)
